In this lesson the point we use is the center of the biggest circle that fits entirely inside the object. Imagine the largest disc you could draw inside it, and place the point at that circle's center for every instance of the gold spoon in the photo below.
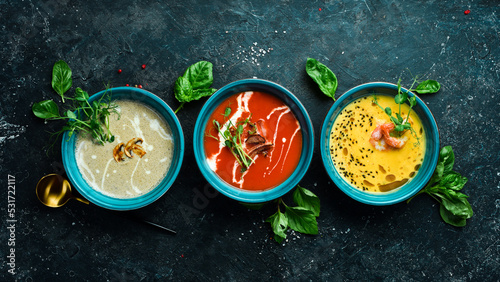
(53, 190)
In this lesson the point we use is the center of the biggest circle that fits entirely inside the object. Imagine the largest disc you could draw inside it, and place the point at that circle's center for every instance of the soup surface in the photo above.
(134, 176)
(375, 166)
(281, 140)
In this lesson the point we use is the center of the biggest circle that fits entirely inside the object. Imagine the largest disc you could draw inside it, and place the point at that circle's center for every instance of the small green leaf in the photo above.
(302, 220)
(306, 199)
(428, 86)
(183, 90)
(227, 112)
(388, 111)
(447, 157)
(453, 180)
(450, 218)
(70, 114)
(200, 75)
(413, 101)
(279, 224)
(81, 95)
(46, 109)
(323, 76)
(399, 127)
(61, 78)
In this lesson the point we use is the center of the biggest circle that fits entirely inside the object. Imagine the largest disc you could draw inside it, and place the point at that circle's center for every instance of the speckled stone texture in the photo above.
(219, 239)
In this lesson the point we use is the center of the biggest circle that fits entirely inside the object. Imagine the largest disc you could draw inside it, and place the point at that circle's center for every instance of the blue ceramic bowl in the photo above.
(75, 177)
(426, 169)
(307, 140)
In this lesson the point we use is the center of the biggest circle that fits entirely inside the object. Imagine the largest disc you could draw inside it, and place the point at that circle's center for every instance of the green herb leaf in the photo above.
(447, 158)
(388, 111)
(46, 109)
(453, 180)
(61, 78)
(302, 220)
(306, 199)
(70, 114)
(450, 218)
(194, 84)
(183, 90)
(279, 224)
(323, 76)
(81, 95)
(427, 87)
(200, 75)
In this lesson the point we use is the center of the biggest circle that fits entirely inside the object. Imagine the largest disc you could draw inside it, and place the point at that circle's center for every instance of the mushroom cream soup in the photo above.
(145, 162)
(368, 162)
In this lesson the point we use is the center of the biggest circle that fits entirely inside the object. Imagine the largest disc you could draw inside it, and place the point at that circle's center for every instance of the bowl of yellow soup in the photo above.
(363, 154)
(142, 161)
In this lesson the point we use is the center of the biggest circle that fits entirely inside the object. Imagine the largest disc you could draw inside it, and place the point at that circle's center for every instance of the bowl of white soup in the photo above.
(141, 162)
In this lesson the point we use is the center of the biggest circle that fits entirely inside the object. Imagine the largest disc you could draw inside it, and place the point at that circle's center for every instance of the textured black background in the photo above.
(218, 239)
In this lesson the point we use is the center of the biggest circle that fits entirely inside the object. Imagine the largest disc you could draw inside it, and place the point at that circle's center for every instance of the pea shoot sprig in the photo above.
(232, 136)
(92, 118)
(402, 124)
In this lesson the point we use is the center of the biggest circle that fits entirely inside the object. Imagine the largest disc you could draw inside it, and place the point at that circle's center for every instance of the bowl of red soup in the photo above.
(364, 153)
(253, 140)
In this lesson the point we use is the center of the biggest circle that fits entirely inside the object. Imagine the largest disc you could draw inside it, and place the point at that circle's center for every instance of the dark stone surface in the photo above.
(361, 41)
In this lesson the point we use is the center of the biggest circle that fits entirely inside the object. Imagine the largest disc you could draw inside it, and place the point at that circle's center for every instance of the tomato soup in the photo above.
(375, 166)
(271, 137)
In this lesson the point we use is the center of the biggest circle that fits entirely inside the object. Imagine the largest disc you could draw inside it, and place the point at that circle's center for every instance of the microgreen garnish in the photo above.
(301, 218)
(232, 138)
(444, 186)
(92, 118)
(402, 124)
(195, 83)
(323, 76)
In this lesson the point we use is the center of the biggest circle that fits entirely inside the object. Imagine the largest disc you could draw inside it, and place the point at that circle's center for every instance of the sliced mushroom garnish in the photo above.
(255, 139)
(132, 146)
(263, 148)
(118, 153)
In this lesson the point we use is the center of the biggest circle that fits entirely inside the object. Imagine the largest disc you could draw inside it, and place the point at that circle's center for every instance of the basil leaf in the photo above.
(279, 224)
(453, 181)
(306, 199)
(447, 157)
(450, 218)
(428, 86)
(61, 78)
(200, 75)
(81, 95)
(323, 76)
(302, 220)
(200, 93)
(457, 204)
(183, 90)
(46, 109)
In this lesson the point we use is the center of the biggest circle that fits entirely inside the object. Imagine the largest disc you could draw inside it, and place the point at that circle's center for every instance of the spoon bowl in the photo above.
(53, 190)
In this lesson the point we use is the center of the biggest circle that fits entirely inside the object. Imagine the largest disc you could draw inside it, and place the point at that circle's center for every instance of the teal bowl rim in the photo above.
(307, 140)
(425, 171)
(75, 177)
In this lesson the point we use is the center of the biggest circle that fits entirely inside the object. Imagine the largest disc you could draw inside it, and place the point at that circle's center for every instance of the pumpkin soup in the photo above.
(367, 152)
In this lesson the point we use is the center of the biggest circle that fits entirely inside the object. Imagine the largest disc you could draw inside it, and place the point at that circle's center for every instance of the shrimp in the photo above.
(381, 136)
